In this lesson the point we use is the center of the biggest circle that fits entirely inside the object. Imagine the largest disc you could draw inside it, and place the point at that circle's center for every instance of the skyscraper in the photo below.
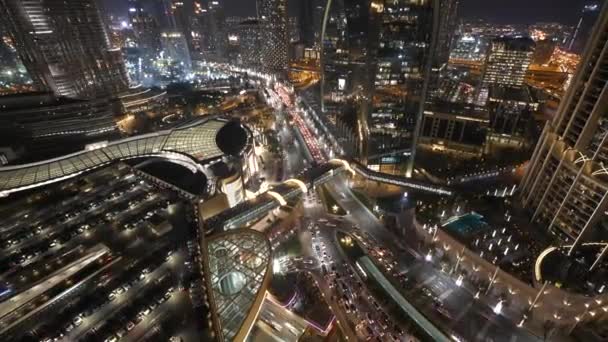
(175, 47)
(64, 46)
(306, 22)
(378, 62)
(272, 15)
(583, 27)
(145, 28)
(566, 184)
(248, 34)
(215, 35)
(507, 61)
(448, 11)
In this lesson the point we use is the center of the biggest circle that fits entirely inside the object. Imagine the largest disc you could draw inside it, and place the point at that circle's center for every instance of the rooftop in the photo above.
(186, 145)
(505, 93)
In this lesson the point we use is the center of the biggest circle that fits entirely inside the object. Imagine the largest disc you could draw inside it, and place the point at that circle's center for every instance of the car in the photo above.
(77, 320)
(121, 332)
(111, 339)
(130, 326)
(111, 296)
(152, 306)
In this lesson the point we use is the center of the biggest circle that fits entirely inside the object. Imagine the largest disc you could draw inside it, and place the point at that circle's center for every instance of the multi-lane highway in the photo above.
(434, 292)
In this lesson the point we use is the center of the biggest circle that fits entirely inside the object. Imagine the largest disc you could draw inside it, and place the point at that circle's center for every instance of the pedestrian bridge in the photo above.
(248, 212)
(186, 145)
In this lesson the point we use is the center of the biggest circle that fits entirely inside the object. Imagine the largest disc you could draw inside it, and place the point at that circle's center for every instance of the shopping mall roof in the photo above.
(187, 145)
(237, 272)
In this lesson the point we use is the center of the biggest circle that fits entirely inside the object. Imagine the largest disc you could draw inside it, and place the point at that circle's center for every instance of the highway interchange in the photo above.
(453, 307)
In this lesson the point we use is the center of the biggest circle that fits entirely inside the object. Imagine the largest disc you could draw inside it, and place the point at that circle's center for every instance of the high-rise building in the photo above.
(175, 47)
(247, 39)
(507, 61)
(293, 29)
(583, 28)
(272, 15)
(214, 32)
(181, 16)
(469, 48)
(64, 46)
(145, 27)
(447, 27)
(306, 22)
(46, 125)
(566, 184)
(371, 51)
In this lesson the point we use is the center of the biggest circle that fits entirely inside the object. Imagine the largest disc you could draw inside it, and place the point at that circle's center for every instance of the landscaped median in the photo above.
(386, 294)
(331, 204)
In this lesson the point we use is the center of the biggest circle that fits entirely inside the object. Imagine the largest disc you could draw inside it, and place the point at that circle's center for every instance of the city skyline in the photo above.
(502, 11)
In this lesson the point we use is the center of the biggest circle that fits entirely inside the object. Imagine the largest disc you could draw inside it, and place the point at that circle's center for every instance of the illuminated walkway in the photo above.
(186, 145)
(401, 181)
(429, 328)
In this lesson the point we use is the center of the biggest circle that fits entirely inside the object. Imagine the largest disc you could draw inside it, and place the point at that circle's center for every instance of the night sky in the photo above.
(499, 11)
(522, 11)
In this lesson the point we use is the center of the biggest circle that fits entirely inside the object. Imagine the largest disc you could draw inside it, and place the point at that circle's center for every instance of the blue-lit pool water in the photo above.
(466, 225)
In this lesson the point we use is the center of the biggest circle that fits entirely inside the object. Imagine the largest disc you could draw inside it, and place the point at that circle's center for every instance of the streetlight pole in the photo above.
(492, 280)
(577, 319)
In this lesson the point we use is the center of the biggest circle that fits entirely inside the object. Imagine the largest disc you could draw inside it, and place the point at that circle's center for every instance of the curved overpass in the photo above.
(186, 145)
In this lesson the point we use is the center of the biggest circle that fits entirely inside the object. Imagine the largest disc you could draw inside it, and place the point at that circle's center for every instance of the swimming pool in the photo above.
(466, 225)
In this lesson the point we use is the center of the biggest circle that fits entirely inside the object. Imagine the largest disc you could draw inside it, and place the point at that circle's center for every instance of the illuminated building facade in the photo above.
(306, 22)
(175, 48)
(214, 33)
(507, 61)
(246, 38)
(557, 32)
(566, 184)
(456, 127)
(469, 48)
(445, 35)
(378, 59)
(65, 47)
(272, 15)
(44, 124)
(145, 27)
(511, 113)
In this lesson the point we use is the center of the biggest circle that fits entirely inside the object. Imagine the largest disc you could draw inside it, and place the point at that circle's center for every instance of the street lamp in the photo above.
(428, 257)
(498, 308)
(459, 281)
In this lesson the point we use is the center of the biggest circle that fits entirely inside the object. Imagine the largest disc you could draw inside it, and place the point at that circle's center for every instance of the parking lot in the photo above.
(91, 260)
